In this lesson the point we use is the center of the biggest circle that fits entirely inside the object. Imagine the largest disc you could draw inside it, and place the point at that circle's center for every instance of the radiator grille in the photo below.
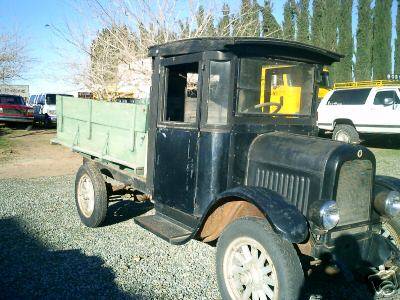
(12, 111)
(354, 191)
(295, 188)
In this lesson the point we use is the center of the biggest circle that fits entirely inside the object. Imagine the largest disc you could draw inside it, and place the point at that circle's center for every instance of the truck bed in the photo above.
(109, 131)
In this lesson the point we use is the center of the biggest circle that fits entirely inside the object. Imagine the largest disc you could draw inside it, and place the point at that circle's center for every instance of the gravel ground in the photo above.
(46, 252)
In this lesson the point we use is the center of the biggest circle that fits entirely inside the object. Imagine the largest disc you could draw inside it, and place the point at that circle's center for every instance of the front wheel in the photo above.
(253, 262)
(346, 133)
(91, 195)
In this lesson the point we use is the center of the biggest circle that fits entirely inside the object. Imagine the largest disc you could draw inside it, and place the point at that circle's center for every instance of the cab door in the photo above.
(176, 141)
(384, 114)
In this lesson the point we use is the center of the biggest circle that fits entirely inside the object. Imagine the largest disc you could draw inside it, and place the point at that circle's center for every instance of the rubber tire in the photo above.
(349, 130)
(100, 195)
(283, 255)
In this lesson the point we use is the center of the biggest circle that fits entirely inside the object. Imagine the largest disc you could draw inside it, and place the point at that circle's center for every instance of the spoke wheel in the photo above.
(249, 271)
(86, 195)
(253, 262)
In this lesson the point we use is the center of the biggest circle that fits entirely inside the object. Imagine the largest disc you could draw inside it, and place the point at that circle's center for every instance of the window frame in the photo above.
(385, 90)
(242, 115)
(366, 100)
(217, 56)
(163, 87)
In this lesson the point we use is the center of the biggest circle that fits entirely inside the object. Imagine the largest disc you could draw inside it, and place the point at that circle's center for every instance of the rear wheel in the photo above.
(91, 195)
(255, 263)
(346, 133)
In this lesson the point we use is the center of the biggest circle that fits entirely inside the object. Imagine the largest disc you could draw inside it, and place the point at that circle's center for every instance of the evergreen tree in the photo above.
(329, 26)
(382, 34)
(289, 20)
(330, 31)
(397, 42)
(363, 66)
(249, 24)
(317, 23)
(223, 25)
(303, 21)
(344, 70)
(270, 27)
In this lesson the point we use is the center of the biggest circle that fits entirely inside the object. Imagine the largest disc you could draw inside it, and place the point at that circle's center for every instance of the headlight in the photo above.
(52, 112)
(388, 204)
(1, 110)
(329, 215)
(29, 111)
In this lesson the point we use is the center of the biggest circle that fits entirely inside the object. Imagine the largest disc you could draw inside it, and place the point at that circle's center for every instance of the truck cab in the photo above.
(228, 159)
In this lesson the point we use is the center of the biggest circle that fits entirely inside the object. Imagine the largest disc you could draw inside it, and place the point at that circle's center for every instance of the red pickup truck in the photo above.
(13, 109)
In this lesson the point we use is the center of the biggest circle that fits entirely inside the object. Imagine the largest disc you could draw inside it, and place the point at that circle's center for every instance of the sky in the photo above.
(47, 73)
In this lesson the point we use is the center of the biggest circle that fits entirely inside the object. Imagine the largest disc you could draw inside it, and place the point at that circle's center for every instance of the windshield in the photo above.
(15, 100)
(275, 87)
(50, 99)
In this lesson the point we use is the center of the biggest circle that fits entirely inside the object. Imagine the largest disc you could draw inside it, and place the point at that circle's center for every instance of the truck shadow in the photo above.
(122, 210)
(333, 279)
(383, 142)
(28, 269)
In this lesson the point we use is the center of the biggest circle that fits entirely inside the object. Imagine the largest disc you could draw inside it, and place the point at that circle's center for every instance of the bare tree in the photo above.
(13, 56)
(117, 55)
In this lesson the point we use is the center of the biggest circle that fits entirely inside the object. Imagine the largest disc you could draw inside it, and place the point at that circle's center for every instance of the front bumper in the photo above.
(16, 119)
(356, 248)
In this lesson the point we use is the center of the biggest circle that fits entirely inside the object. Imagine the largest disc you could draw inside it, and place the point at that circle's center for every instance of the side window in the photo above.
(181, 93)
(386, 98)
(349, 97)
(218, 92)
(41, 99)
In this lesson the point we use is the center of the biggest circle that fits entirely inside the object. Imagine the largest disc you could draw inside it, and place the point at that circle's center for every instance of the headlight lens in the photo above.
(1, 110)
(329, 215)
(29, 111)
(52, 112)
(392, 205)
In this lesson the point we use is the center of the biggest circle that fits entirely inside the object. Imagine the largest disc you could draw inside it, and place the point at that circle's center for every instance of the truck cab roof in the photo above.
(273, 48)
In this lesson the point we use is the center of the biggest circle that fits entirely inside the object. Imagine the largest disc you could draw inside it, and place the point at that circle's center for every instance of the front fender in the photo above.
(285, 218)
(388, 182)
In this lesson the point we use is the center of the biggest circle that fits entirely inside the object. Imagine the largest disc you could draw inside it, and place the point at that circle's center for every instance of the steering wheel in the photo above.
(269, 104)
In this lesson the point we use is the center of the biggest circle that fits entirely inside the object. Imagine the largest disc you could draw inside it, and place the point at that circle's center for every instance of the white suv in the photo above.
(351, 112)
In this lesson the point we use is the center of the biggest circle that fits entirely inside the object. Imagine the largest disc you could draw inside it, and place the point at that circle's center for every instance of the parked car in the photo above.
(14, 110)
(44, 106)
(353, 112)
(245, 173)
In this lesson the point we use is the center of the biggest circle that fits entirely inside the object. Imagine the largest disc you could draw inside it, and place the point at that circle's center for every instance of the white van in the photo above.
(44, 106)
(351, 112)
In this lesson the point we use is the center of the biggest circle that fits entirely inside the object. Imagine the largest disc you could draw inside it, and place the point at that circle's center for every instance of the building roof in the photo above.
(268, 47)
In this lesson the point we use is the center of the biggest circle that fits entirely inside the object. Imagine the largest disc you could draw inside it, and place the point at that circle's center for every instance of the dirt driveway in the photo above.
(29, 155)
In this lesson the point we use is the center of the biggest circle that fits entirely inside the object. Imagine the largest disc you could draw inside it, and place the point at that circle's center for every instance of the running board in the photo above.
(164, 227)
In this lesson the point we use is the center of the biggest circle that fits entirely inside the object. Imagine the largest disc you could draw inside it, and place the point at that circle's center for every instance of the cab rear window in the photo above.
(349, 97)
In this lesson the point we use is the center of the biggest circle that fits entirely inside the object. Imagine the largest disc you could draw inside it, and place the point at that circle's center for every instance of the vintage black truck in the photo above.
(226, 149)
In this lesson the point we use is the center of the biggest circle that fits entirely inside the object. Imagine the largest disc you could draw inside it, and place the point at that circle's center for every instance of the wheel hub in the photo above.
(342, 137)
(86, 195)
(249, 271)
